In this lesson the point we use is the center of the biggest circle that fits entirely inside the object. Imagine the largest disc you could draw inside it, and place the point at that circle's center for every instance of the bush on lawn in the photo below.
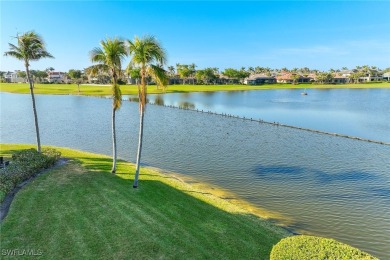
(25, 164)
(311, 247)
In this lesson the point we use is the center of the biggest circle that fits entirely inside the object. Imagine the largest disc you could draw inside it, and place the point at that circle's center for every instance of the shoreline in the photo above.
(189, 185)
(182, 218)
(273, 218)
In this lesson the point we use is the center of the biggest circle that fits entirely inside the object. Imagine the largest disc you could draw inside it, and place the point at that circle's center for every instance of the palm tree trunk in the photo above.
(34, 109)
(139, 150)
(142, 104)
(113, 170)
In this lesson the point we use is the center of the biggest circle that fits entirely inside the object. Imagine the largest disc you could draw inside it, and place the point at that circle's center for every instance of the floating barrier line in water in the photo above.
(276, 124)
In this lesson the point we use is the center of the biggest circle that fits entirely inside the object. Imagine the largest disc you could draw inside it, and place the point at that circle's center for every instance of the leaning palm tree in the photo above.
(109, 59)
(30, 47)
(148, 54)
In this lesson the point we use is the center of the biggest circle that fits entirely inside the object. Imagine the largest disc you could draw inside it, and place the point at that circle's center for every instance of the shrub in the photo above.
(52, 155)
(121, 82)
(311, 247)
(26, 163)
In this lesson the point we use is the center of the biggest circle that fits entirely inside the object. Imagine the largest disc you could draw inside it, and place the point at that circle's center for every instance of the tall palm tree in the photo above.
(148, 54)
(109, 59)
(30, 47)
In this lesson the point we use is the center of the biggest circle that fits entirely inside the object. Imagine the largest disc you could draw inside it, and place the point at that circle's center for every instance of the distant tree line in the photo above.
(188, 74)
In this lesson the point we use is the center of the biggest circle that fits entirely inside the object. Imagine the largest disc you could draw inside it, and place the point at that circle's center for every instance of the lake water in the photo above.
(316, 184)
(363, 113)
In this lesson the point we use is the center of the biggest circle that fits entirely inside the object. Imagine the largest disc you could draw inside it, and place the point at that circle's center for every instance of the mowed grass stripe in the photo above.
(80, 210)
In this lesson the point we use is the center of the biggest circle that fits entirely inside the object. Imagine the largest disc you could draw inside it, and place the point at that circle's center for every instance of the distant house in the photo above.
(338, 78)
(371, 75)
(223, 79)
(56, 77)
(175, 79)
(386, 76)
(259, 79)
(287, 77)
(347, 73)
(12, 77)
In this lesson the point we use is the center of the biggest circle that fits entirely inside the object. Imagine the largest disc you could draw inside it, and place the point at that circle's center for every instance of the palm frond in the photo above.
(30, 47)
(111, 53)
(159, 75)
(95, 70)
(146, 50)
(97, 55)
(116, 96)
(14, 54)
(109, 58)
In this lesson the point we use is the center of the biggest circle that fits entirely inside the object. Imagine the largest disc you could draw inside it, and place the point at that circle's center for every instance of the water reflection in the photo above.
(159, 100)
(186, 105)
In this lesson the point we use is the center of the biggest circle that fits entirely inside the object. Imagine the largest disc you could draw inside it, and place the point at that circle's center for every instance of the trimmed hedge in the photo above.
(25, 164)
(311, 247)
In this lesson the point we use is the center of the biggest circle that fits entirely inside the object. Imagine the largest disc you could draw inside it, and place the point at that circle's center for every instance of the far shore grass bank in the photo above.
(105, 90)
(81, 210)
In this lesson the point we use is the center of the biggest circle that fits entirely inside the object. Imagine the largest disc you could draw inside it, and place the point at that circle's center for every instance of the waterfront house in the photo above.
(258, 79)
(57, 77)
(12, 77)
(386, 76)
(223, 79)
(347, 73)
(338, 78)
(288, 77)
(371, 75)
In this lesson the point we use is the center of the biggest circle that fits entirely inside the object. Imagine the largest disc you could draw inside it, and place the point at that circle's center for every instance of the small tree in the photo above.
(75, 75)
(207, 75)
(186, 71)
(295, 78)
(134, 73)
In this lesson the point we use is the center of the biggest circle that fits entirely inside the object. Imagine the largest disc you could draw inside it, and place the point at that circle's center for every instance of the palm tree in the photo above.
(30, 47)
(172, 71)
(146, 52)
(109, 59)
(134, 73)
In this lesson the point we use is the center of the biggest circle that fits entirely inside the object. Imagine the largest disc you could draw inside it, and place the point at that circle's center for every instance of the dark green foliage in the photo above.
(26, 163)
(207, 75)
(236, 74)
(311, 247)
(121, 82)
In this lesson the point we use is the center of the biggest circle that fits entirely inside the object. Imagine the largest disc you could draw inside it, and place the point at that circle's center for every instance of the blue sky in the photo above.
(223, 34)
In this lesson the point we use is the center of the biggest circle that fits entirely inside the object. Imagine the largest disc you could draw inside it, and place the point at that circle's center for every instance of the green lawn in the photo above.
(81, 211)
(71, 89)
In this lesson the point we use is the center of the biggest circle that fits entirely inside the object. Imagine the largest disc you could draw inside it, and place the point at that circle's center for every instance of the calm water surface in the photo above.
(357, 112)
(317, 184)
